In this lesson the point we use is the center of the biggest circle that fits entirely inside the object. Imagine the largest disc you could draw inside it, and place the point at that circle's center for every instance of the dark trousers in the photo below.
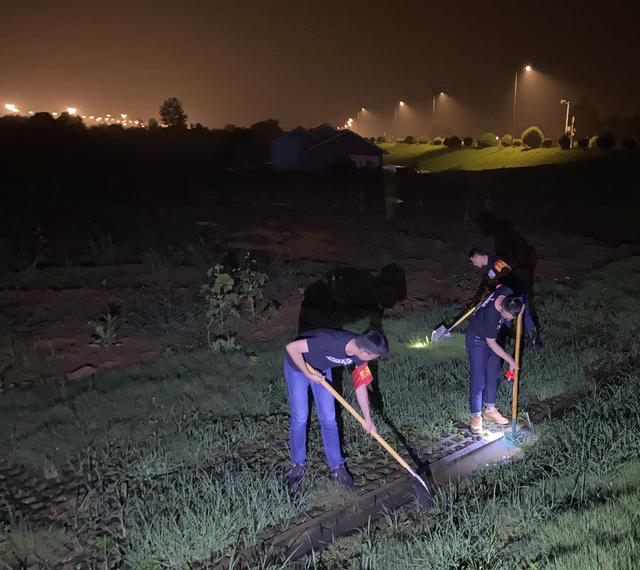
(485, 368)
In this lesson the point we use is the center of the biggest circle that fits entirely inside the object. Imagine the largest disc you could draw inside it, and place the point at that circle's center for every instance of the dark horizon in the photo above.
(306, 64)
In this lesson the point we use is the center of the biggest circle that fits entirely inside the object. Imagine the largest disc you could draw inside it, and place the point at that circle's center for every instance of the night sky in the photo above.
(309, 62)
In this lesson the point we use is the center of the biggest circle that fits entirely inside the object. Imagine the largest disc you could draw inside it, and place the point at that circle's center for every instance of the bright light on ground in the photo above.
(420, 343)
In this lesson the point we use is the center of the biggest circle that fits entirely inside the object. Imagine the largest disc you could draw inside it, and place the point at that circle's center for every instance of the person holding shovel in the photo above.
(486, 355)
(309, 359)
(499, 272)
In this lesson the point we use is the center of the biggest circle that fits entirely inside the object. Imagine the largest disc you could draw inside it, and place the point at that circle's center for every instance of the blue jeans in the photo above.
(485, 368)
(298, 385)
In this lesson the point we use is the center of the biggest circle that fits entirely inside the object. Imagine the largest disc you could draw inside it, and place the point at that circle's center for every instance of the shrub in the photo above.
(564, 141)
(606, 141)
(593, 142)
(487, 139)
(629, 144)
(381, 139)
(467, 141)
(506, 140)
(453, 142)
(583, 143)
(547, 143)
(409, 140)
(437, 141)
(372, 139)
(532, 137)
(424, 139)
(517, 142)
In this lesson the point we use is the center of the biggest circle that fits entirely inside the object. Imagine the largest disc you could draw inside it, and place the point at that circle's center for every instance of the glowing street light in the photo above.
(527, 69)
(396, 110)
(566, 120)
(434, 96)
(11, 108)
(359, 119)
(123, 115)
(72, 110)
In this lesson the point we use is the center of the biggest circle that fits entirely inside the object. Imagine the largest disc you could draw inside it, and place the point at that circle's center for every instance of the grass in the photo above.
(184, 458)
(571, 503)
(436, 158)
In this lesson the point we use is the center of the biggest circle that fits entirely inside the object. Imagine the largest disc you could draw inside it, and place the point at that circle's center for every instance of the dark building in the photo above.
(324, 148)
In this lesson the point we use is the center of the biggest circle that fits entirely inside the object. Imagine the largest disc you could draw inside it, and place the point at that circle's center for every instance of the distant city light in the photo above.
(72, 110)
(54, 114)
(11, 108)
(123, 115)
(528, 68)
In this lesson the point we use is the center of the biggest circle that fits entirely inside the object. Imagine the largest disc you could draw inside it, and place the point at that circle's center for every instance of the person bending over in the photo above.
(486, 355)
(323, 350)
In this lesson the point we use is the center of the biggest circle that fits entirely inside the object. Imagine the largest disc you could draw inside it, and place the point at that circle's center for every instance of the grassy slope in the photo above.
(438, 158)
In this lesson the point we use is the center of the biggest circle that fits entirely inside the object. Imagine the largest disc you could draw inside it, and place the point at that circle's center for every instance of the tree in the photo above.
(564, 141)
(487, 139)
(453, 142)
(172, 114)
(606, 141)
(152, 123)
(532, 137)
(506, 140)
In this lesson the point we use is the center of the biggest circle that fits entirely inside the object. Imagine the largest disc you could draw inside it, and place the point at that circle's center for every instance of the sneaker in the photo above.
(342, 477)
(476, 424)
(295, 475)
(496, 417)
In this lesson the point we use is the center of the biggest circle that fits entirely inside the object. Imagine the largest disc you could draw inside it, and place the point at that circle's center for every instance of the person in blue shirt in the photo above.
(486, 355)
(323, 350)
(499, 272)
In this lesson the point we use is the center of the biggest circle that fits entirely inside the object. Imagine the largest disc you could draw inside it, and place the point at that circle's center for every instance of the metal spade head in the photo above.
(441, 333)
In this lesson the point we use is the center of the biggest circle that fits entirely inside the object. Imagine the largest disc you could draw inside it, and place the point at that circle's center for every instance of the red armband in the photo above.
(362, 376)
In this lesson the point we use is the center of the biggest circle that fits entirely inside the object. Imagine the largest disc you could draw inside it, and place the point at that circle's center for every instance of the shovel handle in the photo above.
(347, 406)
(516, 372)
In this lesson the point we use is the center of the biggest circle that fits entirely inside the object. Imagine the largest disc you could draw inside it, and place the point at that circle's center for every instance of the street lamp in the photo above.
(358, 119)
(527, 68)
(566, 120)
(396, 110)
(434, 95)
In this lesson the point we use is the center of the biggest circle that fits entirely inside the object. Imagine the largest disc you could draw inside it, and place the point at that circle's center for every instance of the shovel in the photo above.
(443, 333)
(423, 493)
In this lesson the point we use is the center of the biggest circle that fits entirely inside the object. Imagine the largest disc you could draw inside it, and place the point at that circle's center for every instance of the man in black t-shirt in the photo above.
(499, 272)
(324, 349)
(486, 355)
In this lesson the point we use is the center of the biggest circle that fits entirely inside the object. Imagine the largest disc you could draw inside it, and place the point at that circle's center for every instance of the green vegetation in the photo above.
(184, 459)
(436, 158)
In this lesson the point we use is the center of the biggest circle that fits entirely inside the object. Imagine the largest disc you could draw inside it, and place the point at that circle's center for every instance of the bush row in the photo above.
(532, 137)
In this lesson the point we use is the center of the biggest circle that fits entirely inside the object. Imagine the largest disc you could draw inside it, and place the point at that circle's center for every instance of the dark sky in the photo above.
(307, 62)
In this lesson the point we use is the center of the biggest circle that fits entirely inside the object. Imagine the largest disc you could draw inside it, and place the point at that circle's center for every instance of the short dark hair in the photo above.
(512, 304)
(475, 251)
(373, 341)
